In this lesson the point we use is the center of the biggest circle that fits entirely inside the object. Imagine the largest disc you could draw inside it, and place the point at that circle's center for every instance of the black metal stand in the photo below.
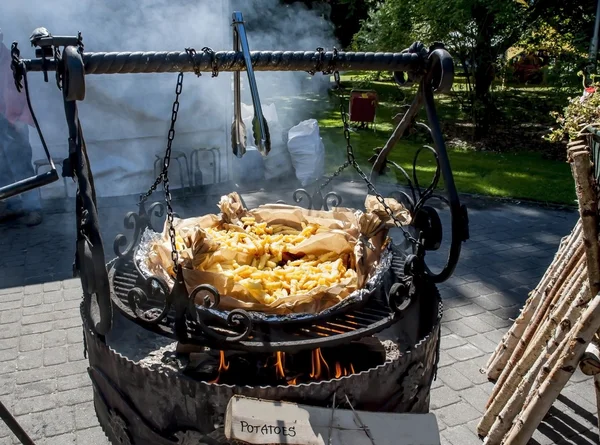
(14, 426)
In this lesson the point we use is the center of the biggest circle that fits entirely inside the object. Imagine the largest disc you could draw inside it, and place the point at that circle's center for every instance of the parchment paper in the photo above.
(355, 235)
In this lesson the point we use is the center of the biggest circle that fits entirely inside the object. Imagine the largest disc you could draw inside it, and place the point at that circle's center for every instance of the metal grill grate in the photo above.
(358, 322)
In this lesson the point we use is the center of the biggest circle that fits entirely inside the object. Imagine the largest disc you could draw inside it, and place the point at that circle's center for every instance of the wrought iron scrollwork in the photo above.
(316, 201)
(437, 76)
(158, 289)
(237, 318)
(137, 222)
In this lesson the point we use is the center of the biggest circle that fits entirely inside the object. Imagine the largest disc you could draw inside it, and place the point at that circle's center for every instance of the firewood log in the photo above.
(510, 386)
(590, 363)
(498, 360)
(572, 258)
(511, 409)
(581, 168)
(582, 334)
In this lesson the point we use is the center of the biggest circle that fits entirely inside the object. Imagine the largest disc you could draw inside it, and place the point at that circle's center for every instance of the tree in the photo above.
(477, 32)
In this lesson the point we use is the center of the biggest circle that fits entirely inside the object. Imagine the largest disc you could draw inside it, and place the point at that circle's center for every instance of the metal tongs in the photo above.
(260, 129)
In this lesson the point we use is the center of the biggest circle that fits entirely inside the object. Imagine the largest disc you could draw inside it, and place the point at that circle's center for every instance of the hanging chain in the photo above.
(351, 160)
(164, 175)
(191, 52)
(213, 60)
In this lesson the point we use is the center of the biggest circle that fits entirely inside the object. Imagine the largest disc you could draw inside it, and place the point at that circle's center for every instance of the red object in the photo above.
(363, 105)
(13, 105)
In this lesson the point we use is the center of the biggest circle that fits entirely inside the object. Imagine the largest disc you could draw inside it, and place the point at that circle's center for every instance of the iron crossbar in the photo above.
(181, 61)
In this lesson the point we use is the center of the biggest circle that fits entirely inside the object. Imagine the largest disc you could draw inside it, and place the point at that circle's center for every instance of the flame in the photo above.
(338, 370)
(294, 381)
(223, 365)
(280, 364)
(317, 361)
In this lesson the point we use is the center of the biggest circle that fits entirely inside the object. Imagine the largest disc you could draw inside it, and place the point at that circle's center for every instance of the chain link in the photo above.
(213, 60)
(164, 175)
(191, 52)
(352, 161)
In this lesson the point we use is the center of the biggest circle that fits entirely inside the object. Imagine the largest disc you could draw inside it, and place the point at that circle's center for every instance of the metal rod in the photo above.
(176, 61)
(14, 426)
(453, 199)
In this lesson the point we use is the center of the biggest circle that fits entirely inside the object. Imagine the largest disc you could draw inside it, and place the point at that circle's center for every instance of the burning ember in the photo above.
(281, 368)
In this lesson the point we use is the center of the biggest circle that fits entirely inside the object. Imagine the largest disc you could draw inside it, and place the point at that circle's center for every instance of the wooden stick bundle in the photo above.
(536, 358)
(565, 296)
(506, 347)
(543, 399)
(572, 258)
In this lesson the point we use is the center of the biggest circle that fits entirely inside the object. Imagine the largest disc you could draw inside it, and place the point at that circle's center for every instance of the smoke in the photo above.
(126, 117)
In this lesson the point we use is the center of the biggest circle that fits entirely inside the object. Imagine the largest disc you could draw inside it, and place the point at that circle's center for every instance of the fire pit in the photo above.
(165, 360)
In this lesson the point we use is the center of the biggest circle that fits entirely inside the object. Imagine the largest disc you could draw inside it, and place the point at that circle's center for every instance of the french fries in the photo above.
(263, 266)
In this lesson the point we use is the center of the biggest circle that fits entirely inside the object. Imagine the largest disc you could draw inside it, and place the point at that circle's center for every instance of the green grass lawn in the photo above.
(514, 174)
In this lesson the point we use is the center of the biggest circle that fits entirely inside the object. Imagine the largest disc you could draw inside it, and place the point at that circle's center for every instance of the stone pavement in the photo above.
(43, 378)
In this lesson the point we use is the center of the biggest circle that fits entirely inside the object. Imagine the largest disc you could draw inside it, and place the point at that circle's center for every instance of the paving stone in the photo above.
(460, 435)
(33, 289)
(464, 352)
(452, 341)
(443, 396)
(55, 356)
(68, 322)
(477, 324)
(445, 360)
(91, 436)
(39, 309)
(471, 369)
(476, 397)
(10, 316)
(33, 404)
(55, 338)
(75, 335)
(63, 439)
(483, 343)
(8, 354)
(460, 328)
(74, 396)
(453, 379)
(495, 321)
(36, 328)
(457, 414)
(29, 360)
(84, 417)
(33, 300)
(11, 330)
(31, 342)
(59, 421)
(451, 315)
(469, 309)
(35, 389)
(74, 381)
(51, 286)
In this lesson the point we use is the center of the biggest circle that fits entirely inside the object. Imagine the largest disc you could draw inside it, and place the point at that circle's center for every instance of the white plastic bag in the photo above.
(278, 162)
(307, 151)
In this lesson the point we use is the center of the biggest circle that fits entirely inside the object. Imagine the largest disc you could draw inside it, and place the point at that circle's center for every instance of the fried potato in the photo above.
(257, 257)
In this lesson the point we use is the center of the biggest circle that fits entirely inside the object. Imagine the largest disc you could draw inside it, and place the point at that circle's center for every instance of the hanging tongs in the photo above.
(260, 129)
